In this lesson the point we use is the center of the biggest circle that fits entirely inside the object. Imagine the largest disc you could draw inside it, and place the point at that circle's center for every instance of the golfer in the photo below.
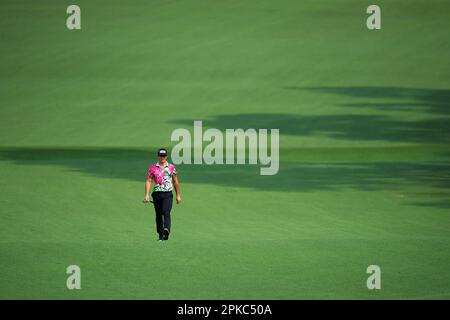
(164, 177)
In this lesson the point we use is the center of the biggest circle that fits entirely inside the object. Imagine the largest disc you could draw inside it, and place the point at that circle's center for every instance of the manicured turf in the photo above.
(364, 175)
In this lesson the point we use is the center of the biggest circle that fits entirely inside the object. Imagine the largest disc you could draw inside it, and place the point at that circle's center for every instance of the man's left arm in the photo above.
(177, 188)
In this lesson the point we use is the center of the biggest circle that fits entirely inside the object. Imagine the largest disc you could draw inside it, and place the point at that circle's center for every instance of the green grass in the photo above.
(365, 147)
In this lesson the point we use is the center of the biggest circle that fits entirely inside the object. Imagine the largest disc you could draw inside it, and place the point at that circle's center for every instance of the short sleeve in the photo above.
(174, 171)
(150, 173)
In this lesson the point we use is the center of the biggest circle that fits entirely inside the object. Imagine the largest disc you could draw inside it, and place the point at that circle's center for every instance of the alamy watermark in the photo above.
(74, 278)
(73, 21)
(220, 143)
(373, 22)
(374, 280)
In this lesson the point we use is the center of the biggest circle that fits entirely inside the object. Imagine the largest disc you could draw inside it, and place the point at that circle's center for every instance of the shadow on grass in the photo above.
(431, 101)
(432, 107)
(312, 176)
(427, 121)
(348, 127)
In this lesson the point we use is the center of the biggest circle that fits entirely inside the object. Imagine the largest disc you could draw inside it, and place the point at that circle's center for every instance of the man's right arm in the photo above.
(148, 185)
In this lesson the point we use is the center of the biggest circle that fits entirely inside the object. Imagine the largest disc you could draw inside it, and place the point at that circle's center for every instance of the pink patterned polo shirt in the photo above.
(162, 176)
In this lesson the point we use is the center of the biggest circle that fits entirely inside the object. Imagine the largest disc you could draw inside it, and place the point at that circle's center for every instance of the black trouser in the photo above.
(163, 204)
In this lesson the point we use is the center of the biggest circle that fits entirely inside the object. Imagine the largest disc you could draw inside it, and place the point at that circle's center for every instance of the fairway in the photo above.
(364, 170)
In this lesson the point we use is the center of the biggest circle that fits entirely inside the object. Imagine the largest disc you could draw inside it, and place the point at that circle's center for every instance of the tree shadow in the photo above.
(312, 176)
(297, 175)
(431, 101)
(115, 163)
(430, 122)
(351, 127)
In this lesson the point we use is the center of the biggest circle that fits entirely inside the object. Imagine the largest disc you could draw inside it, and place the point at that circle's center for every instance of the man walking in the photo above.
(164, 177)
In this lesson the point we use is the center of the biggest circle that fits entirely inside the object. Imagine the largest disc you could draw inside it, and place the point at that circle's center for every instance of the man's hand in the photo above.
(146, 198)
(178, 198)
